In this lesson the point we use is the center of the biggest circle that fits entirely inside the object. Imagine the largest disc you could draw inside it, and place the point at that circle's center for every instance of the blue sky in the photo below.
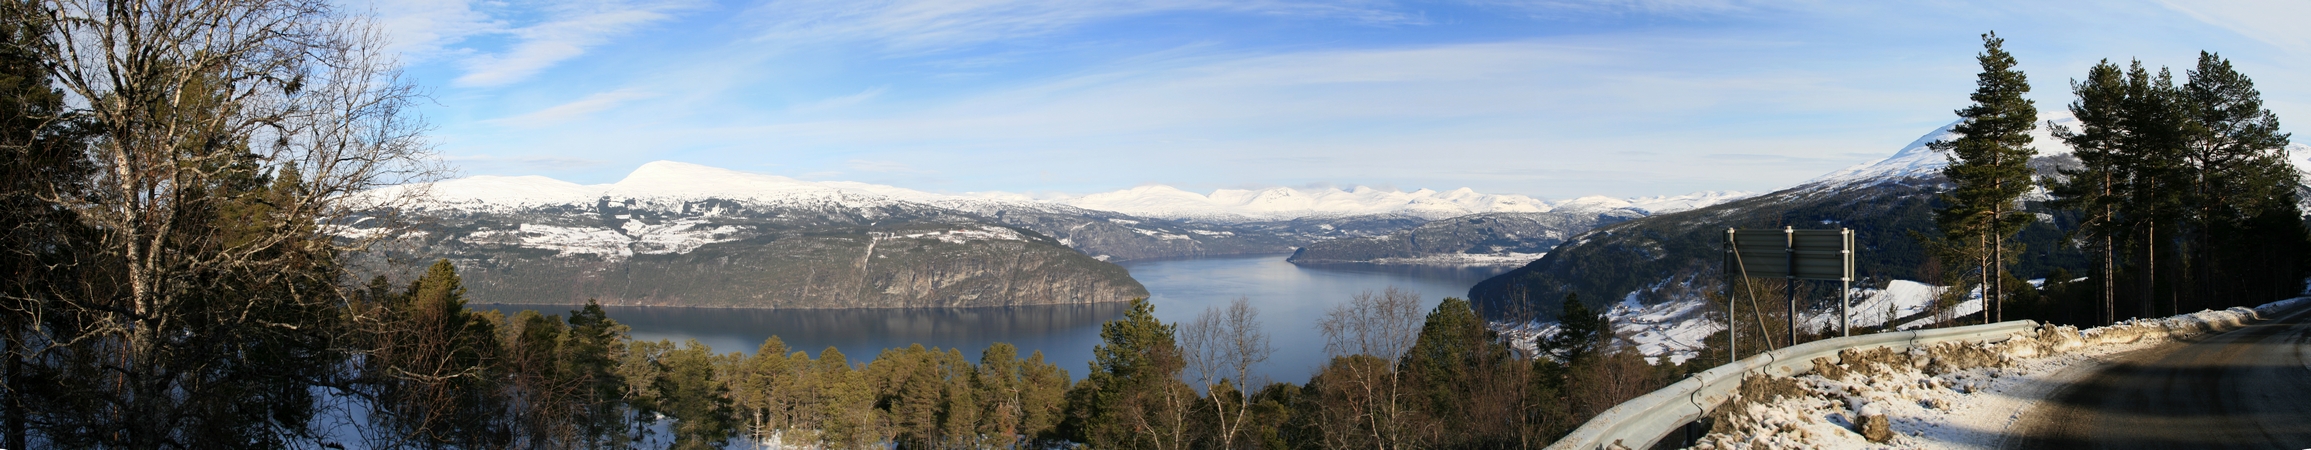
(1553, 99)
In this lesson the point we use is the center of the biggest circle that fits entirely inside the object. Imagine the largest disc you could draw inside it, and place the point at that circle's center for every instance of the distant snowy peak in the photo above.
(660, 183)
(670, 184)
(1652, 205)
(1920, 160)
(498, 191)
(1288, 203)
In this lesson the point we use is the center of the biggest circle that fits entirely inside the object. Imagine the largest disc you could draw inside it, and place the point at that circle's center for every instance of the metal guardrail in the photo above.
(1645, 420)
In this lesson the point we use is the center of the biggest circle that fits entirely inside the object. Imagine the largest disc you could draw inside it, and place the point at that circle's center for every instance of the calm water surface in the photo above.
(1291, 299)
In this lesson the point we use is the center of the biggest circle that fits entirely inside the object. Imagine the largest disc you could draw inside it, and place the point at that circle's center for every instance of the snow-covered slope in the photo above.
(1919, 160)
(496, 192)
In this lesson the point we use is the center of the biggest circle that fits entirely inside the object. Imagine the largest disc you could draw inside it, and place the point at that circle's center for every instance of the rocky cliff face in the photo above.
(911, 266)
(1118, 237)
(723, 253)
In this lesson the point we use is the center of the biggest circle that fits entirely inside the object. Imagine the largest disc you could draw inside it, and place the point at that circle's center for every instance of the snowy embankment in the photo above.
(1675, 329)
(1948, 396)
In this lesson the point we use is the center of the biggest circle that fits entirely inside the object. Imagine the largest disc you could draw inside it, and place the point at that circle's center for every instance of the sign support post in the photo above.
(1789, 288)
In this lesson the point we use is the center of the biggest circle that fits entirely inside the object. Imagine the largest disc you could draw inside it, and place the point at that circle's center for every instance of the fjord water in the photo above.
(1290, 298)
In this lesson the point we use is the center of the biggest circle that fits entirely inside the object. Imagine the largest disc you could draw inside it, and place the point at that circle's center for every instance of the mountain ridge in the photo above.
(679, 181)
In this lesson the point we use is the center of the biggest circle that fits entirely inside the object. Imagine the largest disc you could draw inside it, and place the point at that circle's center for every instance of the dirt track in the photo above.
(2246, 388)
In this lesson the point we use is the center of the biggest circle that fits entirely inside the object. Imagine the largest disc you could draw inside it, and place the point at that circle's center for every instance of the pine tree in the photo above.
(1135, 374)
(2093, 187)
(590, 357)
(689, 393)
(2236, 159)
(2151, 156)
(1989, 165)
(1579, 332)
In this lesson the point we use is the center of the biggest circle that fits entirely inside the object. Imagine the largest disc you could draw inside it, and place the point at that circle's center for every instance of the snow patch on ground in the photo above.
(1465, 259)
(1671, 330)
(576, 240)
(1668, 329)
(1952, 396)
(1675, 328)
(982, 233)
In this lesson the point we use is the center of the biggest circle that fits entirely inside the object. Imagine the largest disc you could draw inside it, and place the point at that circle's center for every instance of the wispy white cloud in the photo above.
(839, 102)
(425, 29)
(1622, 97)
(579, 108)
(930, 25)
(567, 31)
(2278, 23)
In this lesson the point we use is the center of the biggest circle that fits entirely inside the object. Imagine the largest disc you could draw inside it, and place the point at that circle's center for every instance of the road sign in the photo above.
(1825, 255)
(1793, 254)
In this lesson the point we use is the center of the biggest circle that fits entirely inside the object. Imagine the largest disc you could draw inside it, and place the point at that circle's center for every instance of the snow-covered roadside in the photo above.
(1949, 396)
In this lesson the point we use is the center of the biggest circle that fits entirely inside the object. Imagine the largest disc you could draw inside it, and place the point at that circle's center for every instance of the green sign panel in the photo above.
(1786, 253)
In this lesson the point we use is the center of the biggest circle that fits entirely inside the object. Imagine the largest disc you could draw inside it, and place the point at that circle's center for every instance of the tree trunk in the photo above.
(11, 408)
(2150, 272)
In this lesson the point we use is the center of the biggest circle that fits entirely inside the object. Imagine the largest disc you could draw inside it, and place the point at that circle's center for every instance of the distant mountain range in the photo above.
(683, 234)
(1497, 238)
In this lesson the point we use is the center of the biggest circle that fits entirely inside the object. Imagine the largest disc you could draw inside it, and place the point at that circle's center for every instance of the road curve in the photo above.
(2245, 388)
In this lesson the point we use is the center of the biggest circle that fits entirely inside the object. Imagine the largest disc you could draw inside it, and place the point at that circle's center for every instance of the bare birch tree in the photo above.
(230, 143)
(1221, 346)
(1380, 326)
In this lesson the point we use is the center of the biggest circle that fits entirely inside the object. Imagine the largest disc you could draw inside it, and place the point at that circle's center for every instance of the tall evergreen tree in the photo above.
(1134, 384)
(1580, 332)
(2093, 187)
(2151, 154)
(699, 403)
(434, 369)
(2235, 158)
(1989, 166)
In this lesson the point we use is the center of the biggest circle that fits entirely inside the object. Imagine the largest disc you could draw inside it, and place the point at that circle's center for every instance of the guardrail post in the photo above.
(1789, 289)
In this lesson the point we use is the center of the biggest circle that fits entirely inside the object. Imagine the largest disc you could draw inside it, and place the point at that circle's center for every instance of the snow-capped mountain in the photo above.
(1917, 160)
(668, 183)
(1142, 222)
(1238, 205)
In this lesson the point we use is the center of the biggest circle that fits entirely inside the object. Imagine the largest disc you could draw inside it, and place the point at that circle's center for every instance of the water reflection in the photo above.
(1060, 331)
(1291, 299)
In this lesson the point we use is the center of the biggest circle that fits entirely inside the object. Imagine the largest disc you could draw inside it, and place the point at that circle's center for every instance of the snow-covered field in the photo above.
(1952, 396)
